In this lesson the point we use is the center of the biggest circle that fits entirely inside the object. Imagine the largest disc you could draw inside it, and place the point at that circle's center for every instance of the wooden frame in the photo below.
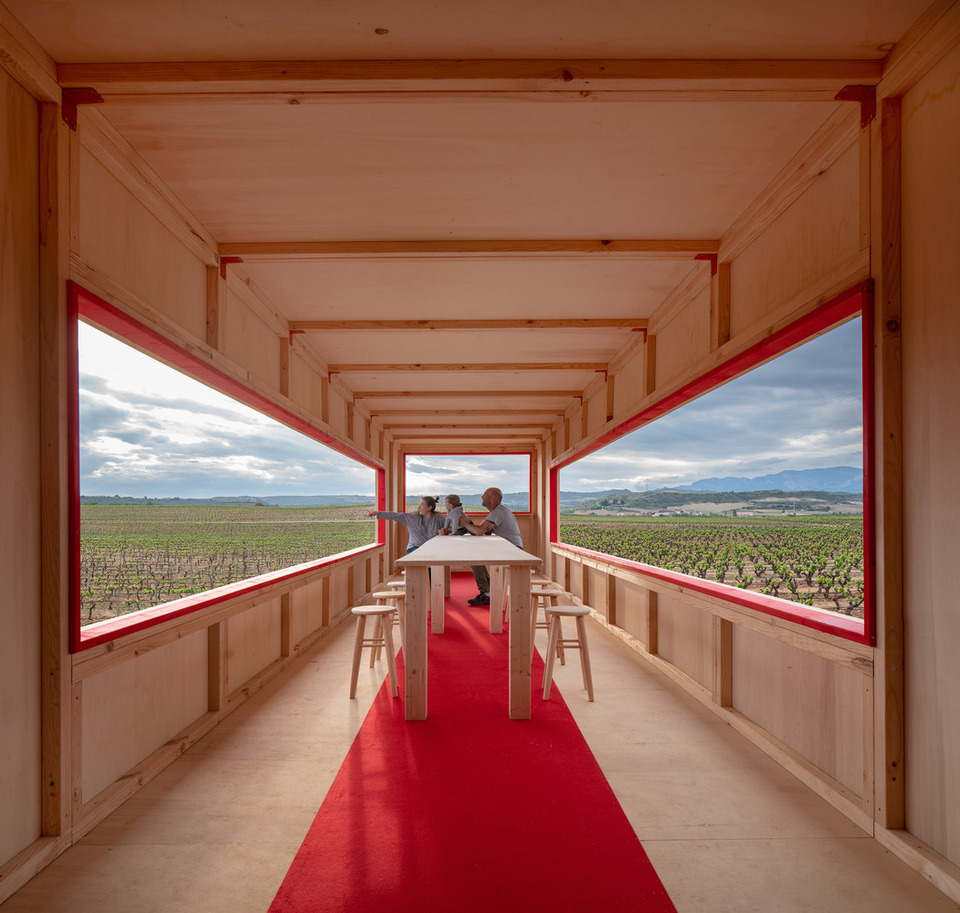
(858, 299)
(82, 303)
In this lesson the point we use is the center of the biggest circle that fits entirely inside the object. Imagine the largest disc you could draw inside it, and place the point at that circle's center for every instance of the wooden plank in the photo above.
(26, 61)
(571, 323)
(720, 306)
(888, 468)
(521, 643)
(723, 661)
(547, 249)
(466, 413)
(217, 666)
(215, 292)
(810, 78)
(56, 747)
(470, 367)
(415, 643)
(927, 41)
(460, 394)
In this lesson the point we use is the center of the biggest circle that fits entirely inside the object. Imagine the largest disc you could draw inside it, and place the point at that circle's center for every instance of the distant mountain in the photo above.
(837, 478)
(845, 479)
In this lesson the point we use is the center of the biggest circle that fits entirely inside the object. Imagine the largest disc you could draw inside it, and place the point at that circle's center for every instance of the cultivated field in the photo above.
(133, 557)
(816, 561)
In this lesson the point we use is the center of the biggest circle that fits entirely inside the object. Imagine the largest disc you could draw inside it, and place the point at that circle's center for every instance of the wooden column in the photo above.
(723, 661)
(720, 306)
(415, 643)
(57, 748)
(653, 646)
(521, 642)
(888, 465)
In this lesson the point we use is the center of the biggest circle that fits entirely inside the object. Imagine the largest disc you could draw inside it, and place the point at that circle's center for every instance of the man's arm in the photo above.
(478, 529)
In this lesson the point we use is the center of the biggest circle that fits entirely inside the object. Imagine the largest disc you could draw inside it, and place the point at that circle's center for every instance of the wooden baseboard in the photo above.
(939, 871)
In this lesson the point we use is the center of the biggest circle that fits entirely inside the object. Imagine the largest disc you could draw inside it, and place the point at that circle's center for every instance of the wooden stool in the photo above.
(395, 597)
(383, 638)
(555, 613)
(544, 594)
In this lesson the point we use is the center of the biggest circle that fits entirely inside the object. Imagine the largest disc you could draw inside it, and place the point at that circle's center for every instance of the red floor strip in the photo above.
(469, 810)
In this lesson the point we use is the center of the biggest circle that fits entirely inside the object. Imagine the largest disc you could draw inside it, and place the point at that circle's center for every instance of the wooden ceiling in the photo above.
(505, 186)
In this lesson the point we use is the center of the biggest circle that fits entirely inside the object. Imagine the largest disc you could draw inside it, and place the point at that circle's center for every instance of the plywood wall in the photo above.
(931, 380)
(19, 472)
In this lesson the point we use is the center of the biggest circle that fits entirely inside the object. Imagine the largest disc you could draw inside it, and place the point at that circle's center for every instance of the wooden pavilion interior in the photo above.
(481, 228)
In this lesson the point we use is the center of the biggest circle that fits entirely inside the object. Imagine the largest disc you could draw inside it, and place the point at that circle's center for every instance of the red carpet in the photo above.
(469, 810)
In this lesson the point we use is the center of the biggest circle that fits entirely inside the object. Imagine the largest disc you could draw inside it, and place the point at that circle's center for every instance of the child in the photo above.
(451, 525)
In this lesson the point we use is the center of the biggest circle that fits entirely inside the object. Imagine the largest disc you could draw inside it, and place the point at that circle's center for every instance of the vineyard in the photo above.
(815, 561)
(134, 557)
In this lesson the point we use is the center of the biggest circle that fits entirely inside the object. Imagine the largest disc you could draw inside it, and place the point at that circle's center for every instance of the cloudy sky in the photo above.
(148, 431)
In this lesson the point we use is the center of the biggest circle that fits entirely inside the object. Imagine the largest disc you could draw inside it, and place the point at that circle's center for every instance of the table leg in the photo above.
(521, 643)
(415, 644)
(436, 599)
(498, 597)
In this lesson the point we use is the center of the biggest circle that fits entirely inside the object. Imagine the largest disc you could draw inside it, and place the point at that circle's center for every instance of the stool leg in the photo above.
(551, 653)
(585, 656)
(357, 649)
(377, 635)
(391, 655)
(561, 655)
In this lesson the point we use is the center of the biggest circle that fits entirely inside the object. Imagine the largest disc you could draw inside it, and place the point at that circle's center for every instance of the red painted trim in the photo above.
(71, 98)
(73, 467)
(869, 456)
(83, 303)
(224, 261)
(859, 298)
(113, 319)
(554, 531)
(823, 318)
(818, 619)
(102, 632)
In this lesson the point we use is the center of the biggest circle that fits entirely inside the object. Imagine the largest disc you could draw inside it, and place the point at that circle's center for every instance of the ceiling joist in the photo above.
(470, 367)
(623, 249)
(401, 80)
(464, 413)
(460, 394)
(574, 323)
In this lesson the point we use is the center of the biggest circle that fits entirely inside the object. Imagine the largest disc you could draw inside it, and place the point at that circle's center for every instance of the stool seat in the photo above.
(556, 614)
(545, 593)
(383, 637)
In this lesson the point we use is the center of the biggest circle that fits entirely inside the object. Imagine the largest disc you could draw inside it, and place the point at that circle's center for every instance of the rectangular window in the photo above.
(183, 491)
(756, 480)
(468, 475)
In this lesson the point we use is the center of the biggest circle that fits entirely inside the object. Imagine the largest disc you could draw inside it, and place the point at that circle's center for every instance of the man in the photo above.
(499, 520)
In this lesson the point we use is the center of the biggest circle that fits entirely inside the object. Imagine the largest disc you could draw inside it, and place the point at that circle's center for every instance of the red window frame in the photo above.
(524, 453)
(858, 299)
(83, 303)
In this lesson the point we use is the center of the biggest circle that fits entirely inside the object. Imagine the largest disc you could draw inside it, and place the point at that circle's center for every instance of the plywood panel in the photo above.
(247, 340)
(816, 235)
(685, 638)
(815, 707)
(307, 609)
(628, 385)
(121, 239)
(19, 470)
(130, 710)
(253, 642)
(931, 378)
(684, 339)
(305, 384)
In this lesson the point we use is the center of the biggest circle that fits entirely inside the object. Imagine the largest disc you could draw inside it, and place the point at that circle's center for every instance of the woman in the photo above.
(422, 525)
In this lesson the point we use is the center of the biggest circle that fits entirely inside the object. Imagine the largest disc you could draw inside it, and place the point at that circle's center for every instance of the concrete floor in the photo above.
(728, 830)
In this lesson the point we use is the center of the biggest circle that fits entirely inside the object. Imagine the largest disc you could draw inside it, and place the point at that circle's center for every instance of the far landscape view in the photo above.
(802, 545)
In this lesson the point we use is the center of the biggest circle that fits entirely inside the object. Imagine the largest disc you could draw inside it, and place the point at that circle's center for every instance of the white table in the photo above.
(508, 565)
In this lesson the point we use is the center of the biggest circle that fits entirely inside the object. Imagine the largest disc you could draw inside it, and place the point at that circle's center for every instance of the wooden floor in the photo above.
(728, 830)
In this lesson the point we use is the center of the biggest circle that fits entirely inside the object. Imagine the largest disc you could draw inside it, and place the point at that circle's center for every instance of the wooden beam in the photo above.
(572, 323)
(458, 394)
(532, 427)
(621, 249)
(460, 367)
(573, 79)
(465, 413)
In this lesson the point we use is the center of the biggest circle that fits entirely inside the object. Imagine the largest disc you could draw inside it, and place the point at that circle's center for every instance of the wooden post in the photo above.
(56, 145)
(888, 466)
(415, 643)
(436, 598)
(720, 306)
(217, 666)
(723, 661)
(653, 646)
(521, 642)
(215, 292)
